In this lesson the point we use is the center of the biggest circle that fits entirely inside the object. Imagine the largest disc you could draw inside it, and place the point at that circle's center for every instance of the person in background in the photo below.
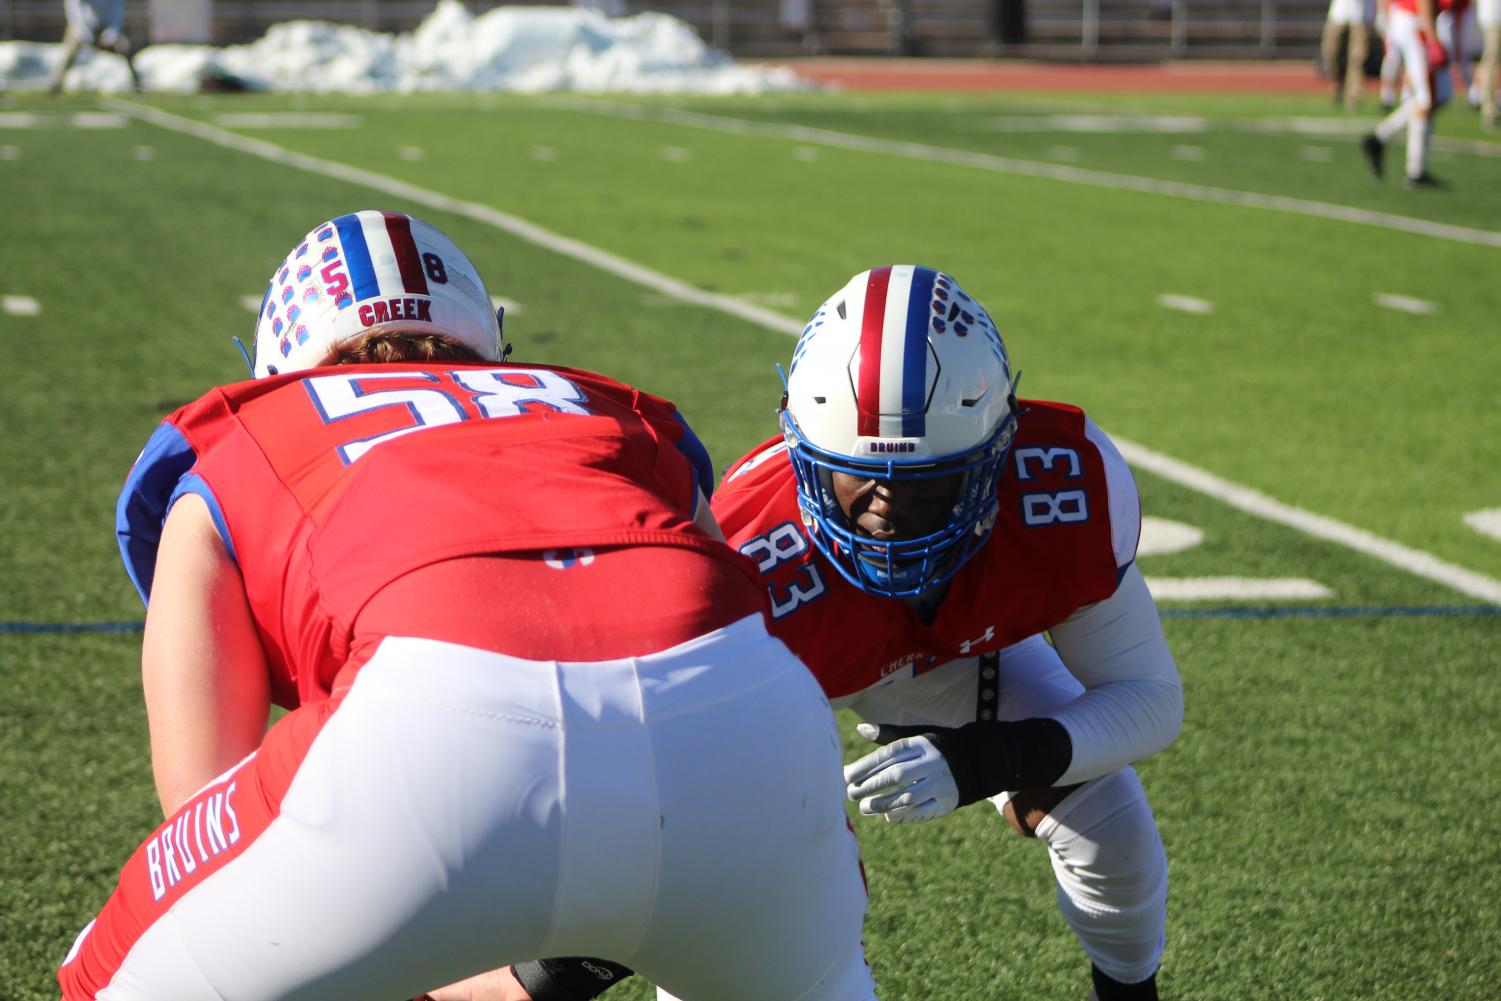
(1488, 18)
(99, 24)
(1345, 42)
(1391, 57)
(1413, 29)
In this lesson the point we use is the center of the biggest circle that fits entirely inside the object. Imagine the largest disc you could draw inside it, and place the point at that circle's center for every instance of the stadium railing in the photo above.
(1086, 30)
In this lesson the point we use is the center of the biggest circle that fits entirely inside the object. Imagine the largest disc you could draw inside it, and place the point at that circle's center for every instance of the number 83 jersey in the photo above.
(1066, 531)
(329, 483)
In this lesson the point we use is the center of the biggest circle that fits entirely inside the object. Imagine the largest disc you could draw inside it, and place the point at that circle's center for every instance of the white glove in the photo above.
(906, 781)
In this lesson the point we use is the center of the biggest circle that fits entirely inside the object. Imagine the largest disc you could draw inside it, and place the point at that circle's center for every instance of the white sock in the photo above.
(1418, 131)
(1393, 123)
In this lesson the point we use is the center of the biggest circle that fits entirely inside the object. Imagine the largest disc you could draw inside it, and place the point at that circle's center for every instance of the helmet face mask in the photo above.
(369, 272)
(899, 377)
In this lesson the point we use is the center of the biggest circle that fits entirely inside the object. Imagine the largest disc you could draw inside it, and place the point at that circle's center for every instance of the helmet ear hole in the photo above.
(841, 311)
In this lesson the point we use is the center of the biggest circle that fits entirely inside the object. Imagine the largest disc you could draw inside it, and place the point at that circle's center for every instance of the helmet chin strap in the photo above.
(244, 354)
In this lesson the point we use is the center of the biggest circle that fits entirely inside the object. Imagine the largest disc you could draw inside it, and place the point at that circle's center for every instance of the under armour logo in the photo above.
(566, 559)
(967, 645)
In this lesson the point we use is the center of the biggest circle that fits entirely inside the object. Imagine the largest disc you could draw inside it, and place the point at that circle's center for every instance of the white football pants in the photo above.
(1106, 852)
(680, 812)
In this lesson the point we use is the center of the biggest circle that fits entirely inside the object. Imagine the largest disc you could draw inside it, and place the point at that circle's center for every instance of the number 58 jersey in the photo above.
(328, 484)
(1066, 530)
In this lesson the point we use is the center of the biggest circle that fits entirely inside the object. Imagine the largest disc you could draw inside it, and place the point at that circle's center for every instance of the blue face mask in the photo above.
(899, 568)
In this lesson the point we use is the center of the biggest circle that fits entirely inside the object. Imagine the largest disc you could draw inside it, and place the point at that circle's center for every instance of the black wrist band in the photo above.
(987, 758)
(570, 978)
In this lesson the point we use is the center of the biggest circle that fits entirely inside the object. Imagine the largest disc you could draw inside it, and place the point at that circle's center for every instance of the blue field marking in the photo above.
(44, 628)
(1236, 612)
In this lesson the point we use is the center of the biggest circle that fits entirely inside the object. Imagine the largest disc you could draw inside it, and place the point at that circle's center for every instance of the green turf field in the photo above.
(1330, 808)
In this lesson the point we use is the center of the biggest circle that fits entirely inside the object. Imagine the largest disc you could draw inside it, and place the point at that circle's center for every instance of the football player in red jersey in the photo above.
(919, 530)
(1413, 30)
(420, 550)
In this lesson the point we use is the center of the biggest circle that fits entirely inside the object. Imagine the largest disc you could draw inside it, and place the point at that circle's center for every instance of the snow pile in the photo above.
(527, 49)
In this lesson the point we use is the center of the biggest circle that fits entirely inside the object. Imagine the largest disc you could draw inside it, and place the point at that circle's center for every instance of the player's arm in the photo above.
(1132, 706)
(204, 673)
(1428, 18)
(703, 517)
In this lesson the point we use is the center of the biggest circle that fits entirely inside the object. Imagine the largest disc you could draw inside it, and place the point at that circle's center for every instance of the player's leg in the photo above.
(71, 43)
(1490, 61)
(1102, 838)
(1391, 67)
(1332, 51)
(404, 837)
(1355, 67)
(1413, 114)
(1103, 841)
(760, 895)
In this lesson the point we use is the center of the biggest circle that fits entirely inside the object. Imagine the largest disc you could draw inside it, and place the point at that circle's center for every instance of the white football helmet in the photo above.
(370, 271)
(900, 375)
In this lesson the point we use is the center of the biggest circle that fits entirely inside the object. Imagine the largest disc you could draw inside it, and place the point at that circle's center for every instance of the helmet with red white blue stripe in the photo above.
(370, 271)
(900, 375)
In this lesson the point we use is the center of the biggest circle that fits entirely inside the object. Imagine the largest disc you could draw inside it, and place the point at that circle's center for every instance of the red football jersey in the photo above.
(529, 458)
(1060, 542)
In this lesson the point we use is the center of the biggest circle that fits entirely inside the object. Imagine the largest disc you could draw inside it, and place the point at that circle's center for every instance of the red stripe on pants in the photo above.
(210, 831)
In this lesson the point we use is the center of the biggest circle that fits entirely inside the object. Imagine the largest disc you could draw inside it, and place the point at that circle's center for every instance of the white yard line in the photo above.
(290, 120)
(1487, 522)
(1404, 303)
(1236, 589)
(1185, 303)
(1031, 168)
(1422, 564)
(1253, 502)
(19, 305)
(516, 226)
(97, 120)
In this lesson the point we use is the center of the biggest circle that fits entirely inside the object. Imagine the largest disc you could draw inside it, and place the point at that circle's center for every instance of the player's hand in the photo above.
(497, 985)
(1437, 58)
(906, 781)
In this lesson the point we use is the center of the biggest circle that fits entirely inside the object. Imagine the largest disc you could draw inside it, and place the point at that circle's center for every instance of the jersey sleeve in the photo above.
(1124, 503)
(668, 421)
(162, 474)
(1132, 704)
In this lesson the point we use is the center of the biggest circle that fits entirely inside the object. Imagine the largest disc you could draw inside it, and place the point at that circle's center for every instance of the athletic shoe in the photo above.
(1423, 180)
(1375, 152)
(1106, 989)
